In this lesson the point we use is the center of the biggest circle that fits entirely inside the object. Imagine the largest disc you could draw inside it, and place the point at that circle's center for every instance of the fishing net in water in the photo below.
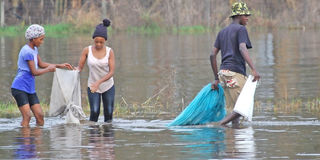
(208, 106)
(66, 96)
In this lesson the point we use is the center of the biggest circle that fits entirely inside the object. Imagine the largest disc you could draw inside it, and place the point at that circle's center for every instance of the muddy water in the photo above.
(286, 60)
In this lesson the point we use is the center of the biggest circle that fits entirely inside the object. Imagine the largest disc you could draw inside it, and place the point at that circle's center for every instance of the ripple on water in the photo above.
(284, 123)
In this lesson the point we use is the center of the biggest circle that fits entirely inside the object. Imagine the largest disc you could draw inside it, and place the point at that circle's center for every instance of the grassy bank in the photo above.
(57, 30)
(65, 29)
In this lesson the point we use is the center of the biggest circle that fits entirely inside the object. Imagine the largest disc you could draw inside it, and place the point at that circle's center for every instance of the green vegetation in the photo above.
(57, 30)
(12, 30)
(152, 106)
(67, 29)
(156, 29)
(295, 105)
(11, 109)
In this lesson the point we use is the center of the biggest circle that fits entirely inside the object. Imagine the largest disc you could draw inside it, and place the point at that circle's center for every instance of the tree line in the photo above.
(163, 13)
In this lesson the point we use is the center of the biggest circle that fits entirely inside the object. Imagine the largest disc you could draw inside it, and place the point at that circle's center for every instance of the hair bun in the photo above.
(106, 22)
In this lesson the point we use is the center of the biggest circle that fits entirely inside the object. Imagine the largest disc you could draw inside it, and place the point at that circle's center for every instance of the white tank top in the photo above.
(98, 68)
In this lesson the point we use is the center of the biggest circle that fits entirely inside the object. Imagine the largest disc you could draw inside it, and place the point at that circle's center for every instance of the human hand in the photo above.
(77, 68)
(66, 65)
(214, 85)
(256, 76)
(94, 87)
(51, 68)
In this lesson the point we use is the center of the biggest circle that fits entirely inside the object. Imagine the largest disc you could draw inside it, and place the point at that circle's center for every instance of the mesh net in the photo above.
(208, 106)
(66, 94)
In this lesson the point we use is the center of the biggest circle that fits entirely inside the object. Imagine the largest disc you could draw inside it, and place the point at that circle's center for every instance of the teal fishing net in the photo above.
(208, 106)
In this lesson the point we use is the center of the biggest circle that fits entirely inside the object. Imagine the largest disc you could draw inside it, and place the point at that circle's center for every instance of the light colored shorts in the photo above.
(232, 83)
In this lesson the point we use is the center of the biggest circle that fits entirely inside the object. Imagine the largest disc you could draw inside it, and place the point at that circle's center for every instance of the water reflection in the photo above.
(101, 142)
(204, 143)
(260, 140)
(28, 143)
(244, 143)
(65, 141)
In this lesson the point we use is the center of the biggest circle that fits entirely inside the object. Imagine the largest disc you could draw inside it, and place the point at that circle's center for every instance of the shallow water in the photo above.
(151, 139)
(286, 60)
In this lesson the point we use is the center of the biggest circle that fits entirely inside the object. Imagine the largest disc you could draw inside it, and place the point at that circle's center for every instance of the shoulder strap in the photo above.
(108, 49)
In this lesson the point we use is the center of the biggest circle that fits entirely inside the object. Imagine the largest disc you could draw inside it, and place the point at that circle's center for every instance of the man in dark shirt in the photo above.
(234, 42)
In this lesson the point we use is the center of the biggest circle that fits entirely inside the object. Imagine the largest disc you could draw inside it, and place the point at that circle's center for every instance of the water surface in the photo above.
(178, 66)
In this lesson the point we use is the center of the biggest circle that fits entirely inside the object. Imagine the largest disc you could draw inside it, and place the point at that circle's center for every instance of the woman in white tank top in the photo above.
(101, 64)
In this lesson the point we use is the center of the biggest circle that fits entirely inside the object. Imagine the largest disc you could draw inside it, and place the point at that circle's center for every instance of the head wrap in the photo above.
(34, 31)
(239, 9)
(101, 29)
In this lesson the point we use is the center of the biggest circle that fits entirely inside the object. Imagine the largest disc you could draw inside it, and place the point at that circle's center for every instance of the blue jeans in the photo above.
(108, 103)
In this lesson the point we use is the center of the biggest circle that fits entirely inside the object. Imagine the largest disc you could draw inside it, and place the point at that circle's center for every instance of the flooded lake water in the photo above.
(178, 66)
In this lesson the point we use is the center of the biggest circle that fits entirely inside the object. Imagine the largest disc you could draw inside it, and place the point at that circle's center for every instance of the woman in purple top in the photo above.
(23, 85)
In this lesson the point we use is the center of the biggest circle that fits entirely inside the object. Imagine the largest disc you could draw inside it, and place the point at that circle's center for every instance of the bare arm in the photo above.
(43, 64)
(38, 72)
(245, 54)
(111, 63)
(83, 58)
(213, 61)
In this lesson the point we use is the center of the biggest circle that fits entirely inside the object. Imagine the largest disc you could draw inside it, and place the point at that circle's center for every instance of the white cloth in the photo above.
(245, 101)
(66, 95)
(98, 68)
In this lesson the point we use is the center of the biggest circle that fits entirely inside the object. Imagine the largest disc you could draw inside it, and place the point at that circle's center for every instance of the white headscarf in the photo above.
(34, 31)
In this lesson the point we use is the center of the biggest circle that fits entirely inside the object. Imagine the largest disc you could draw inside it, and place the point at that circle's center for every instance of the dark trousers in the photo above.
(108, 104)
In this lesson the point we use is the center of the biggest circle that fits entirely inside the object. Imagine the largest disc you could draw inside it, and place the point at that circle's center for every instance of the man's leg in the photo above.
(234, 83)
(234, 117)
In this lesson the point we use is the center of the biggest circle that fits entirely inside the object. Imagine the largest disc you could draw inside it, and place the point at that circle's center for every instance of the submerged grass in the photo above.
(10, 109)
(154, 107)
(292, 106)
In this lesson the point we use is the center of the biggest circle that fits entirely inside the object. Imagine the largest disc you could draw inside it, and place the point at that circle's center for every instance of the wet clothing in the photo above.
(23, 98)
(108, 103)
(228, 41)
(98, 68)
(24, 79)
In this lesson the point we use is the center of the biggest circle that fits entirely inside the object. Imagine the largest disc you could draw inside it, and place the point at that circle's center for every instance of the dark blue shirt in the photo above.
(228, 41)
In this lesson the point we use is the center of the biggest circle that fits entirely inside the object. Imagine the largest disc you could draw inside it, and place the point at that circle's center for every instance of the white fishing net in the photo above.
(66, 96)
